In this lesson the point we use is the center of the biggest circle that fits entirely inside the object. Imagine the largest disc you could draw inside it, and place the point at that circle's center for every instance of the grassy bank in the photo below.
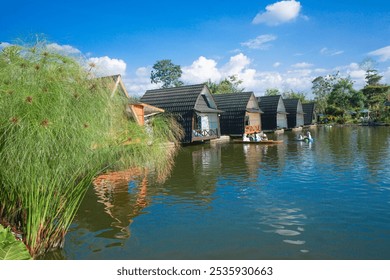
(58, 129)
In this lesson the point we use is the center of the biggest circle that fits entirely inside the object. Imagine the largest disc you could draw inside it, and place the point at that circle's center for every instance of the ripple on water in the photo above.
(294, 242)
(287, 232)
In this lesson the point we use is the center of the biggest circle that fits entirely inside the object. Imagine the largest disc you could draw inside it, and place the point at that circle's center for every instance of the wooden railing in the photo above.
(249, 129)
(204, 133)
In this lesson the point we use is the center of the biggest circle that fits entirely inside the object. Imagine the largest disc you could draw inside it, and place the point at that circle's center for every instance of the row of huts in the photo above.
(206, 116)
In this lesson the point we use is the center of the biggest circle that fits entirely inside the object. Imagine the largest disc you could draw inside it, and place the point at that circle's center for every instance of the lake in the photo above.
(329, 199)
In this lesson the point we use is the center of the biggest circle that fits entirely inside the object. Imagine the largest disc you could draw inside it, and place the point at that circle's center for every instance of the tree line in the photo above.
(333, 94)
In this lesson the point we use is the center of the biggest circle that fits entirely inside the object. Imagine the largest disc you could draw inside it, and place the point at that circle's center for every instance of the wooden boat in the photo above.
(258, 142)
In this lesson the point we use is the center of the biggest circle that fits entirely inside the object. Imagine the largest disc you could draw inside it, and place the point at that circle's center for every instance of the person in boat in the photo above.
(308, 135)
(300, 137)
(264, 137)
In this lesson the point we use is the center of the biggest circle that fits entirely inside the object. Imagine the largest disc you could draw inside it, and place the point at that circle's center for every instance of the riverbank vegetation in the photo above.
(336, 98)
(59, 128)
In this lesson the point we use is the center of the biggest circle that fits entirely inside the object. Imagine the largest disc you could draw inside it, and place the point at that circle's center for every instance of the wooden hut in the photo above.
(241, 113)
(309, 113)
(142, 112)
(115, 84)
(295, 112)
(274, 112)
(194, 108)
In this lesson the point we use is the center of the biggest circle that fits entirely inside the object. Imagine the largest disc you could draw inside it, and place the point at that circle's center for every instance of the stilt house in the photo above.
(194, 108)
(241, 113)
(274, 112)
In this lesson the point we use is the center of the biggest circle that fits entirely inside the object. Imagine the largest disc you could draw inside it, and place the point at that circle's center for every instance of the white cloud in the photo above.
(136, 86)
(236, 64)
(276, 64)
(201, 70)
(105, 66)
(63, 49)
(260, 42)
(278, 13)
(302, 65)
(4, 45)
(383, 53)
(386, 76)
(328, 52)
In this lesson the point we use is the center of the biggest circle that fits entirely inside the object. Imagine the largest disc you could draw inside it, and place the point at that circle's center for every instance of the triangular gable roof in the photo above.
(115, 83)
(292, 106)
(308, 110)
(181, 99)
(238, 101)
(269, 104)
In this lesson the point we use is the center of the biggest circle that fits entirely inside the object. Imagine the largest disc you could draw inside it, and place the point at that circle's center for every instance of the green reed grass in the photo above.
(58, 129)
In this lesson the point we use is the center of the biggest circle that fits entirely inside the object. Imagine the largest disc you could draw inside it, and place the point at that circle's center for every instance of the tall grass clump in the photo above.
(58, 129)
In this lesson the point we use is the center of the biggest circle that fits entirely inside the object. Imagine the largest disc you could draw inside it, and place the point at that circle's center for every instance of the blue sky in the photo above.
(268, 44)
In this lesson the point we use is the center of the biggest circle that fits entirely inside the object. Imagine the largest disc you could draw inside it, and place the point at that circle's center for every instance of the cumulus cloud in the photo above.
(63, 49)
(239, 65)
(278, 13)
(201, 70)
(302, 65)
(4, 45)
(260, 42)
(105, 66)
(383, 53)
(138, 83)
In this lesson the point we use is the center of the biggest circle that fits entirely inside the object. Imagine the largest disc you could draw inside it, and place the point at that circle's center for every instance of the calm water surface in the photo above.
(324, 200)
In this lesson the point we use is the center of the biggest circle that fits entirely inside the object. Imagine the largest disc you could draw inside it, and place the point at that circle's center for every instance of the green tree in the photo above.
(321, 88)
(299, 95)
(272, 92)
(167, 73)
(341, 95)
(375, 93)
(228, 85)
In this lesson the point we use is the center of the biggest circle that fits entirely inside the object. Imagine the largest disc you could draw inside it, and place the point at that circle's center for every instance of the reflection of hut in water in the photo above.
(253, 157)
(195, 173)
(124, 197)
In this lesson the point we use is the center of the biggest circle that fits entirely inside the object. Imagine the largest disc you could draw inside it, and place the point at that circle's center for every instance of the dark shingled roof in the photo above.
(234, 107)
(233, 101)
(308, 109)
(182, 101)
(291, 105)
(292, 110)
(269, 104)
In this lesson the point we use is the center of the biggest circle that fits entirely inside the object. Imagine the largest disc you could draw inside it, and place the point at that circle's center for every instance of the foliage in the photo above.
(58, 129)
(341, 94)
(10, 247)
(296, 95)
(272, 92)
(230, 84)
(375, 93)
(322, 87)
(167, 73)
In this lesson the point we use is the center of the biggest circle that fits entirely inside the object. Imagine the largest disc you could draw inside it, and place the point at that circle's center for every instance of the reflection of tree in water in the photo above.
(124, 197)
(195, 173)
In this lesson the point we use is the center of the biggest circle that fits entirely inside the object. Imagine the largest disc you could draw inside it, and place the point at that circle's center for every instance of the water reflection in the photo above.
(323, 200)
(124, 196)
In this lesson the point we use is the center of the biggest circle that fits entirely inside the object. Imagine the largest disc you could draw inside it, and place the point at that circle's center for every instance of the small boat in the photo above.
(258, 142)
